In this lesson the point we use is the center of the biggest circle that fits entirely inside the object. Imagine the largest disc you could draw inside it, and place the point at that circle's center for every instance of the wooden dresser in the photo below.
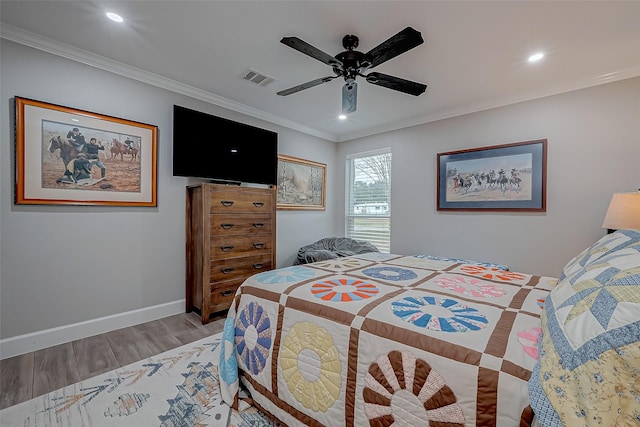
(231, 235)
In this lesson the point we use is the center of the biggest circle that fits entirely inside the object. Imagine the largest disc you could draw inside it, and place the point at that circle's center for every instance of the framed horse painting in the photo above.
(66, 156)
(509, 177)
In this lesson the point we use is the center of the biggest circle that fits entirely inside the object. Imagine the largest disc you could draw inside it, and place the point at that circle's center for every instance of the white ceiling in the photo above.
(474, 56)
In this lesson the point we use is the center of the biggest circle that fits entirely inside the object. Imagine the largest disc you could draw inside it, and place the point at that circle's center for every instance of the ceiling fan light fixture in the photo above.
(349, 97)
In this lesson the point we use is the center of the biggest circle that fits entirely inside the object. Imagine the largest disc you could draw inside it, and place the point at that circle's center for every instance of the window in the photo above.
(368, 196)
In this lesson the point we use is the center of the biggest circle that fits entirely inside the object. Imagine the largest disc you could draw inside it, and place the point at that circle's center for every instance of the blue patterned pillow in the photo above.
(588, 370)
(607, 244)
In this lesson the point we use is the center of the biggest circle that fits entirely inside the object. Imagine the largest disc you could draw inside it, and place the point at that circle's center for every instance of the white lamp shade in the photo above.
(623, 212)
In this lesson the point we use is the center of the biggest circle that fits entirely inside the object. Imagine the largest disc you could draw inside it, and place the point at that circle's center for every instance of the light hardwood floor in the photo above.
(33, 374)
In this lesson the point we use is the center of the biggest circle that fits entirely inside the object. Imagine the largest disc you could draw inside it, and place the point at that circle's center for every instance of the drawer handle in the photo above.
(227, 292)
(258, 265)
(226, 270)
(258, 245)
(258, 224)
(258, 204)
(226, 203)
(226, 226)
(226, 248)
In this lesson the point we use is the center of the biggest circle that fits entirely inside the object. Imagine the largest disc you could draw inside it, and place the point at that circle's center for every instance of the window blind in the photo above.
(368, 197)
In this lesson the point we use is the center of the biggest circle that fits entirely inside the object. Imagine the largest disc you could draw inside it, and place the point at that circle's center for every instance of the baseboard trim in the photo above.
(33, 341)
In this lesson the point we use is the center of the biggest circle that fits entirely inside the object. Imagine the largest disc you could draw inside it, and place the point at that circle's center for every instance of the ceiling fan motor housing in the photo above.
(354, 63)
(350, 41)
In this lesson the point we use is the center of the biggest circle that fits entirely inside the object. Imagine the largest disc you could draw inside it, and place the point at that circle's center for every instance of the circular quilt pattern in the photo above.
(390, 273)
(253, 337)
(439, 314)
(402, 390)
(470, 286)
(228, 366)
(340, 263)
(284, 275)
(344, 290)
(311, 366)
(529, 340)
(492, 273)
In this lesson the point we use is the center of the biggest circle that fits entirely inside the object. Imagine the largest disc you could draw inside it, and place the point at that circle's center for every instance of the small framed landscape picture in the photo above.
(66, 156)
(509, 177)
(301, 184)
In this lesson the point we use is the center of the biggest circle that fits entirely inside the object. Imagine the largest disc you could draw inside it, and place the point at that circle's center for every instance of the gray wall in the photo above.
(593, 151)
(61, 265)
(134, 257)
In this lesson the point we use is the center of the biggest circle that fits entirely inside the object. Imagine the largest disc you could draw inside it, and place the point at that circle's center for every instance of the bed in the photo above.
(375, 338)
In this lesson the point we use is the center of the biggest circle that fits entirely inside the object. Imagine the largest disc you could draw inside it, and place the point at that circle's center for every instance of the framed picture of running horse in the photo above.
(66, 156)
(509, 177)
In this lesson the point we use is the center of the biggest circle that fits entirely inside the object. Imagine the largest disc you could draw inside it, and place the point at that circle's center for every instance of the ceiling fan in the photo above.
(351, 63)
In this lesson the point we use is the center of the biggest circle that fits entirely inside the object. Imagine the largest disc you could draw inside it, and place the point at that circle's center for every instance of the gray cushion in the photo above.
(332, 247)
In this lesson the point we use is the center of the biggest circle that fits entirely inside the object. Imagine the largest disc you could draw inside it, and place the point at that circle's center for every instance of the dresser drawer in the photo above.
(227, 269)
(233, 201)
(240, 246)
(222, 294)
(226, 225)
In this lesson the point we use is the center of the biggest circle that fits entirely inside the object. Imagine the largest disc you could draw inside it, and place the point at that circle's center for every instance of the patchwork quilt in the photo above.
(377, 339)
(589, 368)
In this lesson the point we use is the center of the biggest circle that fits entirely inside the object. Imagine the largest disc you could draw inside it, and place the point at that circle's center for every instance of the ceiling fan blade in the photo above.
(312, 51)
(396, 83)
(403, 41)
(349, 97)
(306, 85)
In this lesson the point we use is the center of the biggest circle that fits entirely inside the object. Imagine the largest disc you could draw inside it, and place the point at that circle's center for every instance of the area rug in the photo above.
(178, 388)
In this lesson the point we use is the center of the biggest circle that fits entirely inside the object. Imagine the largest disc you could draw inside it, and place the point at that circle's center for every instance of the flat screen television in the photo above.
(218, 149)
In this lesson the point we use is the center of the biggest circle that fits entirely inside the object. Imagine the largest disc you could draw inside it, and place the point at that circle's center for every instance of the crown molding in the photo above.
(36, 41)
(627, 73)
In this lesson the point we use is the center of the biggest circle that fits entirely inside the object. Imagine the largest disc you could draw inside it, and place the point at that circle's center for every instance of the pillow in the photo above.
(313, 255)
(332, 247)
(608, 243)
(588, 372)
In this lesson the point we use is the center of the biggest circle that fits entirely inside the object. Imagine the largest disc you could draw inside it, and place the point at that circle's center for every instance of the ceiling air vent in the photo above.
(256, 77)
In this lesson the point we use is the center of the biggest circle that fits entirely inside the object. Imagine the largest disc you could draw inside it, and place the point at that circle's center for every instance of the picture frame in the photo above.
(67, 156)
(301, 184)
(498, 178)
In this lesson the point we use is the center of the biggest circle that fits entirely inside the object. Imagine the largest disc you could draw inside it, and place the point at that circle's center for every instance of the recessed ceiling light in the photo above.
(342, 117)
(114, 17)
(536, 57)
